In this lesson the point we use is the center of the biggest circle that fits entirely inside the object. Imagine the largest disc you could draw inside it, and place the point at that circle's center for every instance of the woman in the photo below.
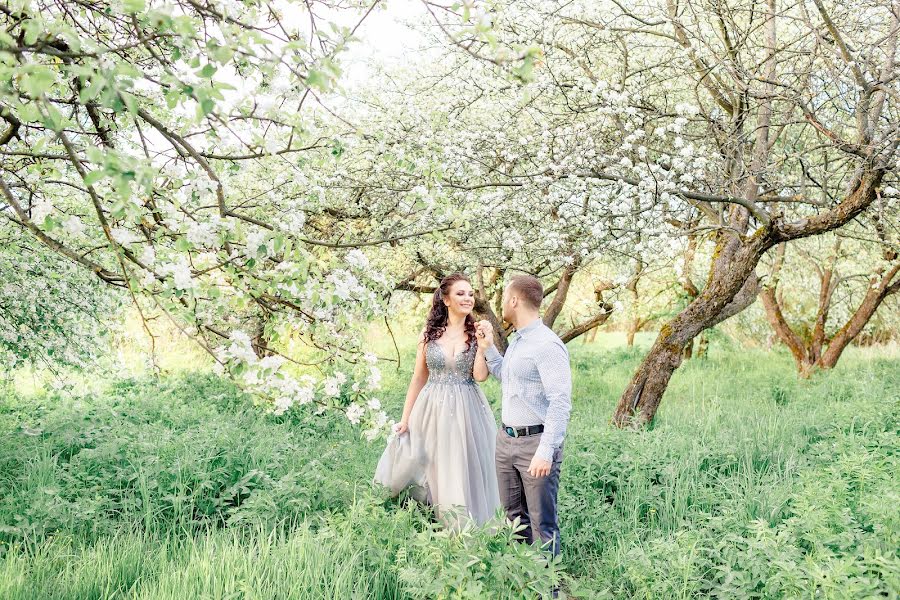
(444, 447)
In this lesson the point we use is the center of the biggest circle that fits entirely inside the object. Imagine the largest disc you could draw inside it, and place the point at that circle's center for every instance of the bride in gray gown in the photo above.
(443, 450)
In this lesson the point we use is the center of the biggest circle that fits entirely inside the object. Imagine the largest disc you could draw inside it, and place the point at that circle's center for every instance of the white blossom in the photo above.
(74, 225)
(356, 258)
(40, 210)
(332, 387)
(124, 236)
(355, 413)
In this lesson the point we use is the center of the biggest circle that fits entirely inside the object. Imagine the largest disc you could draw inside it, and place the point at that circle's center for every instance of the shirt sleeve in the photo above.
(556, 379)
(494, 361)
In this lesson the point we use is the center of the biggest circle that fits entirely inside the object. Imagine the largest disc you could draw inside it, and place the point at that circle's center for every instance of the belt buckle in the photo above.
(512, 432)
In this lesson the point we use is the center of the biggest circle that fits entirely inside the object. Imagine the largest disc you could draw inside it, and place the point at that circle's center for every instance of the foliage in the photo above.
(52, 314)
(127, 129)
(751, 484)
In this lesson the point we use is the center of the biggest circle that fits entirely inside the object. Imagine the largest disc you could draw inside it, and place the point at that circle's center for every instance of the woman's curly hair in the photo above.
(436, 323)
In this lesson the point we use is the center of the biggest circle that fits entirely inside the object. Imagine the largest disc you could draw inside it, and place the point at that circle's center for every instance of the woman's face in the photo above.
(461, 299)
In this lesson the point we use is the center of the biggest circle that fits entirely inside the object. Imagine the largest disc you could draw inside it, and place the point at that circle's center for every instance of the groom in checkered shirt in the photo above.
(537, 397)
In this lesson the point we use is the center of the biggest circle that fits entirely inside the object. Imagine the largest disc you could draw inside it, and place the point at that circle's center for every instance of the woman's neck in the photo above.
(456, 321)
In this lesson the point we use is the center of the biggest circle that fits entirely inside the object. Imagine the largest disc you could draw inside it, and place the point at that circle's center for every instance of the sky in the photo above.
(384, 37)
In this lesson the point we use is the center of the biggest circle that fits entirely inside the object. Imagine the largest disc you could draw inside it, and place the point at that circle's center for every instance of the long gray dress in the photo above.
(447, 457)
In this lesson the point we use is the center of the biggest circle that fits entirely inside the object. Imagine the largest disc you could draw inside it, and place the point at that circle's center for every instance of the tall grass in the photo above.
(751, 484)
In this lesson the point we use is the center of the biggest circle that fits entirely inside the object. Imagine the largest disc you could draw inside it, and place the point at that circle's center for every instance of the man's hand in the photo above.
(484, 334)
(539, 467)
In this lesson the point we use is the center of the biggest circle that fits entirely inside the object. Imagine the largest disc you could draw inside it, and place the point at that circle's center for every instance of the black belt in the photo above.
(520, 431)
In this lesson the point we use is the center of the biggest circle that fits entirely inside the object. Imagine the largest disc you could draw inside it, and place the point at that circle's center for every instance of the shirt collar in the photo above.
(530, 328)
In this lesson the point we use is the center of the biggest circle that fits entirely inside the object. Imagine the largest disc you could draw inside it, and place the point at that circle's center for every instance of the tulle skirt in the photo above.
(446, 459)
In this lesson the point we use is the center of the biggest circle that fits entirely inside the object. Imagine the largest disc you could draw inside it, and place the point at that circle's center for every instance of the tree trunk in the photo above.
(591, 324)
(590, 336)
(875, 295)
(783, 330)
(687, 284)
(260, 341)
(737, 253)
(641, 398)
(810, 355)
(483, 310)
(559, 298)
(703, 345)
(634, 324)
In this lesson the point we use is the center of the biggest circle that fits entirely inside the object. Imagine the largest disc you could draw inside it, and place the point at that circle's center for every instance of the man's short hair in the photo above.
(529, 289)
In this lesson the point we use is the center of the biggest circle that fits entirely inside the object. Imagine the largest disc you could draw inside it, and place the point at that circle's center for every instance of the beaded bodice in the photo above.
(458, 371)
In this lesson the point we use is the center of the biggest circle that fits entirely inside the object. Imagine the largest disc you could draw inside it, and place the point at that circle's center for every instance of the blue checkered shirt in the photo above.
(537, 383)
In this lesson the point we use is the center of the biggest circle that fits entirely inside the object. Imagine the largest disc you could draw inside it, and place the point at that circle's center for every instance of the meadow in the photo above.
(750, 484)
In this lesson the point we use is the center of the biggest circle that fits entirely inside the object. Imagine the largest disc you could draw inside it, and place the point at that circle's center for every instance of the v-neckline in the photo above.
(453, 358)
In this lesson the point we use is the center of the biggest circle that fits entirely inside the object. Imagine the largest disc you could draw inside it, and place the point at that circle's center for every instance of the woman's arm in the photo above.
(492, 358)
(419, 377)
(480, 372)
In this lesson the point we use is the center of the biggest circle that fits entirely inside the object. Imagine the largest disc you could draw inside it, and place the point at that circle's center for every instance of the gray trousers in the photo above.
(531, 499)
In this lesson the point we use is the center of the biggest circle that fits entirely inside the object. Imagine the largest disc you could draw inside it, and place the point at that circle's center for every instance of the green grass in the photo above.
(751, 484)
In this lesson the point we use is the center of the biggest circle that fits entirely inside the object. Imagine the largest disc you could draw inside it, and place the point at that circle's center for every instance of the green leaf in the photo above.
(318, 79)
(117, 210)
(54, 119)
(93, 177)
(32, 29)
(117, 104)
(207, 105)
(38, 81)
(51, 223)
(90, 91)
(134, 6)
(39, 145)
(95, 154)
(29, 113)
(131, 102)
(208, 71)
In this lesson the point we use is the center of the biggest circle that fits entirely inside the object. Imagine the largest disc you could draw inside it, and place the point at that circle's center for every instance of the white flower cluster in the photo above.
(265, 376)
(357, 259)
(376, 420)
(124, 236)
(259, 243)
(345, 285)
(203, 233)
(180, 271)
(40, 210)
(74, 225)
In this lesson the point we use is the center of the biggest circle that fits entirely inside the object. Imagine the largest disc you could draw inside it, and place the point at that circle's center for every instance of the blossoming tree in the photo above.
(152, 142)
(740, 113)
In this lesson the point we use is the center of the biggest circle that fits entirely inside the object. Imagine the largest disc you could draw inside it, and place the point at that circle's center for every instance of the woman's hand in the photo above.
(484, 335)
(401, 428)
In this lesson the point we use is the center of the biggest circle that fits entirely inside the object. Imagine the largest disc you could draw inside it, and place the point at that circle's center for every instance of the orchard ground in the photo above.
(751, 484)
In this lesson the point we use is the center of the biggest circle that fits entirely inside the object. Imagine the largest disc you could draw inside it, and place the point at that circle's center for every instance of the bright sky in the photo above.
(385, 37)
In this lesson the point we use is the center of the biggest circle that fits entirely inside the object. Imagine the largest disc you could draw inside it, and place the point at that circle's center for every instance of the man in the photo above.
(537, 397)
